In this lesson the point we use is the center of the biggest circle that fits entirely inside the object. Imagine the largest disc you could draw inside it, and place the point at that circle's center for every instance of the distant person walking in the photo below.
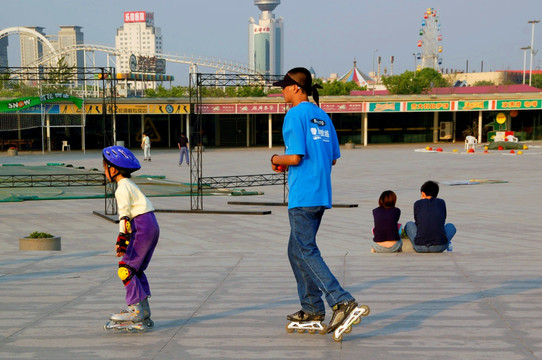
(146, 146)
(183, 147)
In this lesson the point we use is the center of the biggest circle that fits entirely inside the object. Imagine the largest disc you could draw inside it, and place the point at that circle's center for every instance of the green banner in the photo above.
(26, 102)
(385, 106)
(518, 104)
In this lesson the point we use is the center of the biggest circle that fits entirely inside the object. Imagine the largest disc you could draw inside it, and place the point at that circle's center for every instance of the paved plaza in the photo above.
(222, 285)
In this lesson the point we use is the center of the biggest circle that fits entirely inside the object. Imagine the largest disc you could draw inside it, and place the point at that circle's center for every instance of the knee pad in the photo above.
(126, 272)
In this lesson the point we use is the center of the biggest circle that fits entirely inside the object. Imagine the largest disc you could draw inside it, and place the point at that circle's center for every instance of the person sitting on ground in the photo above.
(386, 215)
(429, 233)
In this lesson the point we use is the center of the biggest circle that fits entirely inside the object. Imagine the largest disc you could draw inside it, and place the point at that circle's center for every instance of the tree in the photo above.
(536, 81)
(484, 83)
(418, 82)
(61, 74)
(338, 87)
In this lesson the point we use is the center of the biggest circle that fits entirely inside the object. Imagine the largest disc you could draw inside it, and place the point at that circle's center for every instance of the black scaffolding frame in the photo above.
(197, 81)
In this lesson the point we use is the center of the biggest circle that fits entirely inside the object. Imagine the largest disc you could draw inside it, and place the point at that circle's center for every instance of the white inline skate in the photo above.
(354, 312)
(135, 318)
(301, 322)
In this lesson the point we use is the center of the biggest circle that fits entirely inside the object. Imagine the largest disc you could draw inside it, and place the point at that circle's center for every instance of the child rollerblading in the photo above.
(312, 148)
(136, 241)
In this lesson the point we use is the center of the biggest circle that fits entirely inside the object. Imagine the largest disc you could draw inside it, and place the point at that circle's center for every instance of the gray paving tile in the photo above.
(222, 284)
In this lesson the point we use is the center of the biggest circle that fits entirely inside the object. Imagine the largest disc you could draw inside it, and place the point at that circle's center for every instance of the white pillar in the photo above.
(364, 117)
(248, 130)
(479, 126)
(454, 120)
(435, 127)
(270, 130)
(48, 124)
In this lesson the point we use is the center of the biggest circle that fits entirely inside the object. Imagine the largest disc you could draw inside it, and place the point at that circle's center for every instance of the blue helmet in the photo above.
(121, 157)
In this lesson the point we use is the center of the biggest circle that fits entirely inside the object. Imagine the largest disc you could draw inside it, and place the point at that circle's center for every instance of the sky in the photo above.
(323, 34)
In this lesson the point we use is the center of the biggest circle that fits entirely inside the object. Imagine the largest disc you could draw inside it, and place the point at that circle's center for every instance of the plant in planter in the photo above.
(40, 241)
(13, 151)
(350, 145)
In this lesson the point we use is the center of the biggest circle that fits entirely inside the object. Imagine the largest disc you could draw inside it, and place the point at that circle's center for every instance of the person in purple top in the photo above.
(386, 216)
(429, 233)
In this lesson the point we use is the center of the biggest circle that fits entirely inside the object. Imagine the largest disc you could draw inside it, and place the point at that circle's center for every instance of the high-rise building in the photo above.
(265, 39)
(4, 52)
(70, 36)
(139, 41)
(31, 47)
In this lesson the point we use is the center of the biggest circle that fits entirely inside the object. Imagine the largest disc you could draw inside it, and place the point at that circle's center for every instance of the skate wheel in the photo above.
(149, 324)
(312, 331)
(367, 310)
(323, 331)
(300, 331)
(348, 330)
(337, 338)
(357, 321)
(289, 329)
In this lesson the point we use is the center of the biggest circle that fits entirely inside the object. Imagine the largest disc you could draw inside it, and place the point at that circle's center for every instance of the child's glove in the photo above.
(122, 244)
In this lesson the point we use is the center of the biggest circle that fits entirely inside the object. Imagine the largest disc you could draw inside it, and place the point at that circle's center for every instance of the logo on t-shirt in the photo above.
(318, 122)
(318, 134)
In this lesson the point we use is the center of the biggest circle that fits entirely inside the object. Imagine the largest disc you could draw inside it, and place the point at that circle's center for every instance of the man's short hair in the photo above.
(430, 188)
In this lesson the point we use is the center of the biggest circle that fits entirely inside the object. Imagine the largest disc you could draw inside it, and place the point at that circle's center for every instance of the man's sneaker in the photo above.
(340, 313)
(303, 316)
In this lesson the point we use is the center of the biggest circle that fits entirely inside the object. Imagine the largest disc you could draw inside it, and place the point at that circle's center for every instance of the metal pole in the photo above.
(533, 22)
(524, 60)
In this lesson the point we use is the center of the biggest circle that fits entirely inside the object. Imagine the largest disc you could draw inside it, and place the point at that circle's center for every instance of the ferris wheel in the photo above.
(429, 42)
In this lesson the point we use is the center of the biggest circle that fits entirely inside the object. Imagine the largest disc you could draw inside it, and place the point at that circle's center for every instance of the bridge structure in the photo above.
(52, 56)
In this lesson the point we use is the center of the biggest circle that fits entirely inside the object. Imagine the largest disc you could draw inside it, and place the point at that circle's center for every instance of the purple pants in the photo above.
(145, 233)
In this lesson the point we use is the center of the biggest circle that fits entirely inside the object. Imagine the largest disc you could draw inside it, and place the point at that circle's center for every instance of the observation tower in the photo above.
(265, 39)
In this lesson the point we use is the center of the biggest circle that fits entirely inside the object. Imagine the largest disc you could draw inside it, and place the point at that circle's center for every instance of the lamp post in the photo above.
(524, 60)
(532, 22)
(413, 54)
(374, 77)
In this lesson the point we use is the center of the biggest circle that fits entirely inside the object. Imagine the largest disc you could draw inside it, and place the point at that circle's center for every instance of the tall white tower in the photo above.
(265, 39)
(143, 41)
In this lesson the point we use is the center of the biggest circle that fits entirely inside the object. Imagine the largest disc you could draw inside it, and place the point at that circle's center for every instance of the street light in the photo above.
(374, 77)
(413, 54)
(524, 60)
(533, 22)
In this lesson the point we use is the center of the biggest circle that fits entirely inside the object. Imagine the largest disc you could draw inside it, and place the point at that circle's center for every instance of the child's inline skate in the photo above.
(301, 322)
(135, 318)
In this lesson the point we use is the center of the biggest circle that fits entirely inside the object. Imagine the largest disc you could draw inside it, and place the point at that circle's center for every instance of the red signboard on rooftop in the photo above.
(134, 16)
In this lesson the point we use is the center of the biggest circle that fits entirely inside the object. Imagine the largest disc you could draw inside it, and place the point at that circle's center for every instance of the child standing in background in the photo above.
(386, 231)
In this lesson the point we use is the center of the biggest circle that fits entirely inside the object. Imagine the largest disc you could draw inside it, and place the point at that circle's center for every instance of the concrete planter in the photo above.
(40, 244)
(350, 146)
(13, 152)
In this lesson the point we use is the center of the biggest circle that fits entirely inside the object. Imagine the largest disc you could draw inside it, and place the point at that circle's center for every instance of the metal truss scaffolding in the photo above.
(197, 82)
(81, 82)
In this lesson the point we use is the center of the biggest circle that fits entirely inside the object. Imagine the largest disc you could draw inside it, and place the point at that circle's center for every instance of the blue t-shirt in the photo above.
(430, 215)
(308, 131)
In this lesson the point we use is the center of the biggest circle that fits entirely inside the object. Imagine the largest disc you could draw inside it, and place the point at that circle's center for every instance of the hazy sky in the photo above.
(327, 35)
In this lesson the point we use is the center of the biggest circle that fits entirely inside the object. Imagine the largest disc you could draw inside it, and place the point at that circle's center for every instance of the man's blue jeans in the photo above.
(311, 272)
(411, 229)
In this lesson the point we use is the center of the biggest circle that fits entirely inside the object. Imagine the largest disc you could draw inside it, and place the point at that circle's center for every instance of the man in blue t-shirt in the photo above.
(312, 148)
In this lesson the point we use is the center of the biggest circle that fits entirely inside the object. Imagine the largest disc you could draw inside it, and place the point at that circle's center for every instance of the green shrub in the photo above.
(38, 235)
